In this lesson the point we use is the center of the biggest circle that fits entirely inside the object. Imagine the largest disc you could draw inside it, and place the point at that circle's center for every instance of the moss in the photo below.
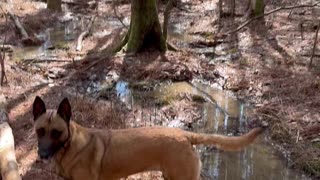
(198, 98)
(232, 51)
(312, 167)
(162, 103)
(244, 62)
(54, 5)
(145, 28)
(316, 145)
(62, 45)
(280, 134)
(141, 86)
(259, 9)
(165, 100)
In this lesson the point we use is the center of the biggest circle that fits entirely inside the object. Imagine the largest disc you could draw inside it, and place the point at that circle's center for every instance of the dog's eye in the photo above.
(41, 132)
(55, 134)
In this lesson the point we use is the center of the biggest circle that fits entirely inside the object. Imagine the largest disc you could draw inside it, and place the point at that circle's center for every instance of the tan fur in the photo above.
(111, 154)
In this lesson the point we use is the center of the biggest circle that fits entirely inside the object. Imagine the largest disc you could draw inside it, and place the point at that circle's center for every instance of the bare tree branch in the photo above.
(314, 44)
(271, 12)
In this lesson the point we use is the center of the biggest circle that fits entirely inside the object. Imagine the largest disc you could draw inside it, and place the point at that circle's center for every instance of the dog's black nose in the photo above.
(44, 155)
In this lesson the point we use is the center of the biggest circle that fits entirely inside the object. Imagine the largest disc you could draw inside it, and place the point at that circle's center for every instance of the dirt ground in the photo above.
(268, 68)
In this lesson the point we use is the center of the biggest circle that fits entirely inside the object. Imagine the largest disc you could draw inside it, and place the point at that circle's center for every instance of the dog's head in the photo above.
(51, 126)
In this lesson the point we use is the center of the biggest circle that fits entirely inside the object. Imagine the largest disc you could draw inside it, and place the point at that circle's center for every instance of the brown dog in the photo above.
(81, 153)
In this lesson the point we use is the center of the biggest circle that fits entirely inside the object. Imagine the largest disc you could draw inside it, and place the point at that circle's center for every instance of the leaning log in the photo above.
(26, 39)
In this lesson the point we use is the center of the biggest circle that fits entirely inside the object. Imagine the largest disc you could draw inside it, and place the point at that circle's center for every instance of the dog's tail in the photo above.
(229, 143)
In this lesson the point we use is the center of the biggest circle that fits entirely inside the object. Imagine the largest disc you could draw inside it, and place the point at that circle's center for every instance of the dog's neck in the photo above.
(74, 144)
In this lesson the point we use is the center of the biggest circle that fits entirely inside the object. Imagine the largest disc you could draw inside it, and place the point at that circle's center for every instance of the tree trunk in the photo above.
(145, 29)
(231, 4)
(54, 5)
(256, 7)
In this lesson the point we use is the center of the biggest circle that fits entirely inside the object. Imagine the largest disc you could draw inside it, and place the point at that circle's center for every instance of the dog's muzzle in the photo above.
(43, 154)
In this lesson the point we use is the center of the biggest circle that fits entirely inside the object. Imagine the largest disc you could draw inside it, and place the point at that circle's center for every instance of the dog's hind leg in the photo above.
(186, 167)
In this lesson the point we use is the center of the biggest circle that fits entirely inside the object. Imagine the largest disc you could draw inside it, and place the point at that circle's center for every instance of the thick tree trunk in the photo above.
(54, 5)
(145, 29)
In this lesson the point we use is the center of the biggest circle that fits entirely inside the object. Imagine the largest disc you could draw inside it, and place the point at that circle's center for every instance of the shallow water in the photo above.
(221, 113)
(224, 114)
(259, 161)
(55, 37)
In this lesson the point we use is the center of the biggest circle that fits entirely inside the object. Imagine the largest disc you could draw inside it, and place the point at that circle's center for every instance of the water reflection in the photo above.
(224, 114)
(257, 162)
(124, 93)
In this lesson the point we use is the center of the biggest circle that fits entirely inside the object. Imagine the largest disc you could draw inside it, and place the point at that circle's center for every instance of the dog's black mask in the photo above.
(47, 148)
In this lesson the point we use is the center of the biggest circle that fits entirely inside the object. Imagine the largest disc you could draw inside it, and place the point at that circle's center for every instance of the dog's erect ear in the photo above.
(64, 110)
(38, 108)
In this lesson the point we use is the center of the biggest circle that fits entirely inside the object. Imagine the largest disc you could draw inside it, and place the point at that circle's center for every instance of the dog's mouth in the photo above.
(44, 160)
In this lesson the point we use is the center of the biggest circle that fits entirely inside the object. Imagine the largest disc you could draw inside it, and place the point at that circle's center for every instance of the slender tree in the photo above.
(256, 7)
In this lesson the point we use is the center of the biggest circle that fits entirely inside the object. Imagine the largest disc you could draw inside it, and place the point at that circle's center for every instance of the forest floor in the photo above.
(265, 64)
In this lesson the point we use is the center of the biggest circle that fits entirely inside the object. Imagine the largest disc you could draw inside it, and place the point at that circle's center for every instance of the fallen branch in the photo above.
(44, 59)
(314, 45)
(26, 39)
(76, 3)
(16, 21)
(271, 12)
(85, 34)
(8, 162)
(172, 47)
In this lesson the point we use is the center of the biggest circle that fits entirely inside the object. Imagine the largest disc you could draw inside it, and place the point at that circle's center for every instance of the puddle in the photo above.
(124, 94)
(64, 33)
(224, 114)
(56, 38)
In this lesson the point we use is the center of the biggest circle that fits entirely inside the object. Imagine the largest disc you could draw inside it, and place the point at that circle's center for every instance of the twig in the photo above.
(314, 44)
(172, 47)
(115, 13)
(271, 12)
(44, 59)
(85, 33)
